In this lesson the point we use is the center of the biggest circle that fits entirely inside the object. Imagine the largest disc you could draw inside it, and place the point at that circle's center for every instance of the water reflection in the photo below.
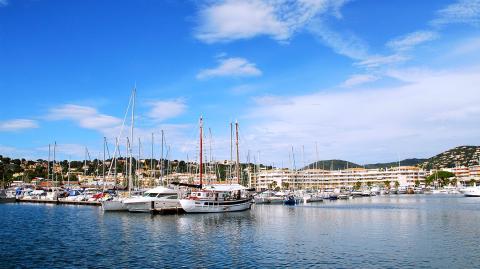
(393, 231)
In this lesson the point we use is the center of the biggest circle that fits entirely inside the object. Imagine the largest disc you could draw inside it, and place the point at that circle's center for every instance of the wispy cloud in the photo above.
(230, 20)
(231, 67)
(359, 79)
(346, 44)
(380, 60)
(17, 125)
(166, 109)
(411, 40)
(84, 116)
(3, 3)
(462, 11)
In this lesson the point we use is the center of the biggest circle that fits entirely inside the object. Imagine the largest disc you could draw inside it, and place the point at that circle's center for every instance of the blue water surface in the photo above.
(398, 231)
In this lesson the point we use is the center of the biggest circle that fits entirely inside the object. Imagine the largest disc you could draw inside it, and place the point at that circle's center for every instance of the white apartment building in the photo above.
(322, 179)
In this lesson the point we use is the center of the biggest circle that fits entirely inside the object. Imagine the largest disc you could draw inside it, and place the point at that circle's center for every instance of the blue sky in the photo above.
(364, 80)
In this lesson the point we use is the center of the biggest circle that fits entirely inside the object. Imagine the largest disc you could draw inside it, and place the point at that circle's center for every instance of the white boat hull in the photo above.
(471, 192)
(147, 206)
(196, 206)
(114, 205)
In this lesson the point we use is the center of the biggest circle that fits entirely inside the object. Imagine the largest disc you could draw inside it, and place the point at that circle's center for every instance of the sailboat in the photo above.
(117, 203)
(216, 198)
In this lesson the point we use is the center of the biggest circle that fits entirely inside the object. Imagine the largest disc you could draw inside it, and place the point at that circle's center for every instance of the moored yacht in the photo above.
(217, 198)
(471, 191)
(145, 203)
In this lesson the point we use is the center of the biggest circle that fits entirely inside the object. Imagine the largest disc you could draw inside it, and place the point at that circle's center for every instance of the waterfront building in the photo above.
(326, 179)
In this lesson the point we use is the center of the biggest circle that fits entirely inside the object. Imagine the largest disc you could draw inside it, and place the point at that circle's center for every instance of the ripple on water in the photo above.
(388, 232)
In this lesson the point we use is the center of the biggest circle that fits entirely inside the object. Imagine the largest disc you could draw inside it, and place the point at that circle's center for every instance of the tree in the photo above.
(358, 185)
(472, 182)
(397, 184)
(369, 184)
(272, 185)
(442, 177)
(285, 185)
(387, 184)
(417, 183)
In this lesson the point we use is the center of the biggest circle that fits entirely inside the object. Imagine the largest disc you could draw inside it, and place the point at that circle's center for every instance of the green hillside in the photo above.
(459, 156)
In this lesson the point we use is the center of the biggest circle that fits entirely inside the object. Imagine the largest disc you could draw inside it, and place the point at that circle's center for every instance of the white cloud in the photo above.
(17, 125)
(162, 110)
(344, 44)
(230, 20)
(411, 40)
(234, 67)
(380, 60)
(418, 119)
(462, 11)
(359, 79)
(84, 116)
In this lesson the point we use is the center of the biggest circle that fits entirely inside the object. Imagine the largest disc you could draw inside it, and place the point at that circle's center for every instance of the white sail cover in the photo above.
(224, 187)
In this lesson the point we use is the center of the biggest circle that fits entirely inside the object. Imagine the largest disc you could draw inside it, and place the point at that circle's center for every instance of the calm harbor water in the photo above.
(421, 231)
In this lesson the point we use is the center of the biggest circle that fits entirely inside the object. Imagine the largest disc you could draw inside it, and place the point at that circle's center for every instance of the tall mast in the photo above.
(201, 151)
(231, 152)
(210, 150)
(84, 163)
(138, 161)
(103, 163)
(131, 137)
(161, 159)
(125, 172)
(48, 163)
(68, 173)
(117, 148)
(238, 155)
(152, 173)
(129, 161)
(54, 153)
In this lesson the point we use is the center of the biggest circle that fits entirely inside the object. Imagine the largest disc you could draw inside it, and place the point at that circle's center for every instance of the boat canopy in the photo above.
(161, 189)
(224, 187)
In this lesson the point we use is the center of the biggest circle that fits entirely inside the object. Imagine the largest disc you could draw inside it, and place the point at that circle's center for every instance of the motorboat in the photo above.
(311, 198)
(402, 190)
(263, 197)
(147, 201)
(290, 200)
(4, 198)
(471, 191)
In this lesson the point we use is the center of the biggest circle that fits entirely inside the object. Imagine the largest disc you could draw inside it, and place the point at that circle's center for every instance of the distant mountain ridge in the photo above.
(332, 165)
(342, 164)
(406, 162)
(458, 156)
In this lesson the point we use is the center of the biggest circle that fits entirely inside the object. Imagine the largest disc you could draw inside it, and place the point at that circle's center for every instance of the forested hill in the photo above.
(459, 156)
